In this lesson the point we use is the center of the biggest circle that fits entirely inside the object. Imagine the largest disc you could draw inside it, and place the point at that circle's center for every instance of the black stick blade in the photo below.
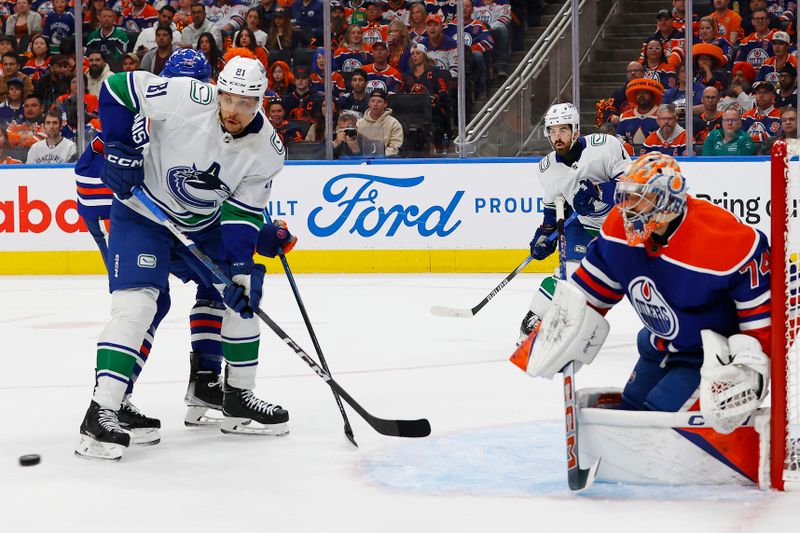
(413, 428)
(582, 478)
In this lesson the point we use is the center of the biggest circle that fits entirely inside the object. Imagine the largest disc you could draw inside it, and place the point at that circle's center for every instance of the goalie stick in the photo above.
(439, 310)
(578, 478)
(348, 431)
(392, 428)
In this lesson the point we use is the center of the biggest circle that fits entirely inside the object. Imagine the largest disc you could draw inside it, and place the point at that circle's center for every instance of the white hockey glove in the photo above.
(570, 331)
(734, 379)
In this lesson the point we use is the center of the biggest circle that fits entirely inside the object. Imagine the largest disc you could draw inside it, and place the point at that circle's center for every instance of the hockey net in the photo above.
(785, 239)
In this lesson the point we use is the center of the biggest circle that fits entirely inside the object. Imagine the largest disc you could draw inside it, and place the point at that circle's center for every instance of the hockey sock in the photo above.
(205, 322)
(132, 312)
(162, 308)
(240, 340)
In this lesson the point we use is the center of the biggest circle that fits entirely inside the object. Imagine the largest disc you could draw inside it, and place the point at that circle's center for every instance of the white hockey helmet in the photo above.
(243, 76)
(559, 114)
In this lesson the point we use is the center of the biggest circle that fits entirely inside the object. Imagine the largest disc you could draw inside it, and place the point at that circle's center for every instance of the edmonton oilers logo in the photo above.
(652, 308)
(757, 57)
(351, 64)
(376, 84)
(202, 189)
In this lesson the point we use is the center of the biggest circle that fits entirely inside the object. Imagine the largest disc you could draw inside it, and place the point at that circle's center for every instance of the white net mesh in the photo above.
(792, 299)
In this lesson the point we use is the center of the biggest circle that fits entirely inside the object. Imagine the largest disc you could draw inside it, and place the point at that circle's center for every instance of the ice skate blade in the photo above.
(196, 417)
(88, 448)
(144, 436)
(246, 426)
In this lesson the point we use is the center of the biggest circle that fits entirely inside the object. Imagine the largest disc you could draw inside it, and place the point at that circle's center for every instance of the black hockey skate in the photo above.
(203, 393)
(143, 429)
(241, 407)
(101, 435)
(529, 323)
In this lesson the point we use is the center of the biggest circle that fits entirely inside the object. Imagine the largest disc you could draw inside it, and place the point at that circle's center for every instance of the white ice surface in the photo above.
(494, 462)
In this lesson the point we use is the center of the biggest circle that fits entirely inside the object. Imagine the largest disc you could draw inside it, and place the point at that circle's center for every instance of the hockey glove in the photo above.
(594, 200)
(274, 237)
(123, 169)
(541, 247)
(244, 295)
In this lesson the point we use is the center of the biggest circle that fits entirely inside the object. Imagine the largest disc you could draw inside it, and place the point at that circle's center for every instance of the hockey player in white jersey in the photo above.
(210, 165)
(582, 170)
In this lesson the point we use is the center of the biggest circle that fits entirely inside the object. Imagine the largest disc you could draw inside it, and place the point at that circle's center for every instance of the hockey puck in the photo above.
(30, 460)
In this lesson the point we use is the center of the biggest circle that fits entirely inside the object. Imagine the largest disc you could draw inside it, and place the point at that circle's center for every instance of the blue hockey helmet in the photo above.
(188, 63)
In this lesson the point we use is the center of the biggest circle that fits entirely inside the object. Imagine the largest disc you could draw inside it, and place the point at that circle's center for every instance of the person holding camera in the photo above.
(346, 141)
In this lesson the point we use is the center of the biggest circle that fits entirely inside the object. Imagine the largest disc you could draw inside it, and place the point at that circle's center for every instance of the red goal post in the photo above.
(785, 296)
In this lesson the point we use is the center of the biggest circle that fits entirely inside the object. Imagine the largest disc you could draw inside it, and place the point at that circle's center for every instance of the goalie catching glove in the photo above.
(570, 331)
(734, 379)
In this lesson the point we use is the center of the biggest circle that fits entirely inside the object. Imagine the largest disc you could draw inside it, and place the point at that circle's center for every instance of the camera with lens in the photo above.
(350, 132)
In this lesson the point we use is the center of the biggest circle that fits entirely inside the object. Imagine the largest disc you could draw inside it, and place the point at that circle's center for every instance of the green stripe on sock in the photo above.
(549, 285)
(240, 352)
(116, 361)
(232, 213)
(118, 84)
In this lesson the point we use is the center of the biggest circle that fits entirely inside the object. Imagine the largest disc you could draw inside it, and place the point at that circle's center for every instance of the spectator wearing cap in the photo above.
(302, 102)
(479, 41)
(610, 109)
(710, 118)
(441, 48)
(354, 53)
(416, 21)
(138, 16)
(280, 78)
(99, 71)
(764, 120)
(770, 70)
(707, 59)
(374, 30)
(56, 83)
(11, 70)
(656, 66)
(200, 25)
(11, 108)
(497, 15)
(317, 73)
(147, 37)
(379, 115)
(54, 148)
(58, 26)
(787, 83)
(154, 60)
(266, 9)
(730, 139)
(281, 35)
(380, 74)
(668, 35)
(307, 15)
(638, 122)
(670, 137)
(288, 132)
(24, 21)
(357, 99)
(729, 22)
(788, 129)
(130, 62)
(107, 38)
(739, 89)
(424, 78)
(756, 48)
(338, 24)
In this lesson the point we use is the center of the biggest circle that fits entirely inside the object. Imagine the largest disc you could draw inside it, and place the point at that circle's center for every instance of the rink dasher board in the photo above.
(384, 216)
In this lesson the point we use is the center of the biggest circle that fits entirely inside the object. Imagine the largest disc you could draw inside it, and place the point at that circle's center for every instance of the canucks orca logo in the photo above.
(202, 189)
(652, 308)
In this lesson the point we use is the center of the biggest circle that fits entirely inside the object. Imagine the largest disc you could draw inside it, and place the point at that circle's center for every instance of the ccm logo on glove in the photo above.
(124, 161)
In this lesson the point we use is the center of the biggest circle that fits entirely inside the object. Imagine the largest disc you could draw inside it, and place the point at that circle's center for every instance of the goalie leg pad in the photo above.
(570, 331)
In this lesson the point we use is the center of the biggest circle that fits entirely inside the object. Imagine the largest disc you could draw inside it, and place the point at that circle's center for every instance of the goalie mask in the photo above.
(562, 114)
(650, 193)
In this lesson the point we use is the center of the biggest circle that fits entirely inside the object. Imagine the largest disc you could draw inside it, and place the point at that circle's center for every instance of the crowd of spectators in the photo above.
(390, 59)
(744, 64)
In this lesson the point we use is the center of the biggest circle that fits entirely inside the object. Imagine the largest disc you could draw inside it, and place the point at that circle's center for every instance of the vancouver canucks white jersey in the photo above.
(194, 170)
(603, 159)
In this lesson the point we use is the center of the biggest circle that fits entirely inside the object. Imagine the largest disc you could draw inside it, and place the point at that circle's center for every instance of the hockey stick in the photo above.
(578, 478)
(439, 310)
(348, 431)
(393, 428)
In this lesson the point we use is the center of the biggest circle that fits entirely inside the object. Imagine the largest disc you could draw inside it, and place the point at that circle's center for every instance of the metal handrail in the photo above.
(512, 86)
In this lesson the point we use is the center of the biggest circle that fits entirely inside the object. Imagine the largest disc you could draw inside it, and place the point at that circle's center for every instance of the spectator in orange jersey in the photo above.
(679, 16)
(281, 79)
(669, 36)
(638, 122)
(764, 120)
(707, 58)
(655, 65)
(670, 137)
(729, 22)
(380, 74)
(6, 159)
(710, 118)
(374, 30)
(30, 130)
